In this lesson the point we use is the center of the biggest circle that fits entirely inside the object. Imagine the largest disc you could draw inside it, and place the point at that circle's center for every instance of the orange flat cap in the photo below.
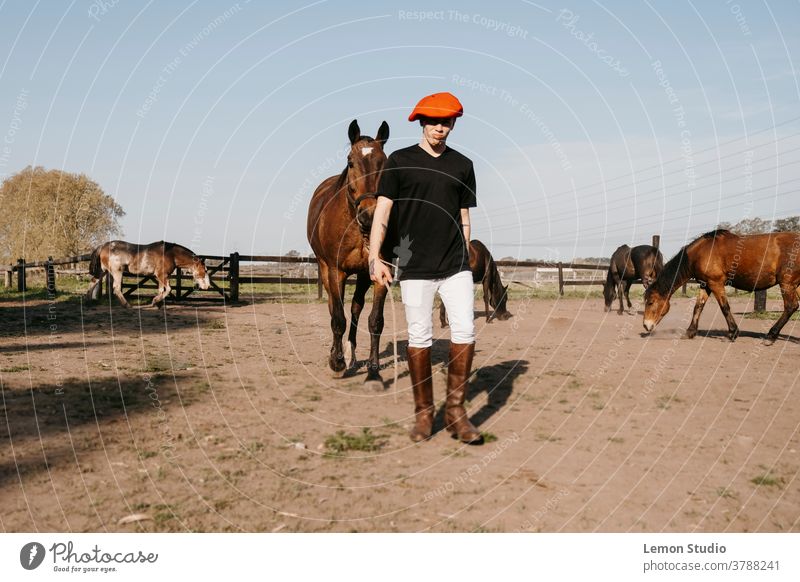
(437, 105)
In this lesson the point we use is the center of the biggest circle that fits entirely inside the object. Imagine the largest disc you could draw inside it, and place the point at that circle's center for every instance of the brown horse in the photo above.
(339, 221)
(720, 258)
(159, 259)
(484, 271)
(627, 265)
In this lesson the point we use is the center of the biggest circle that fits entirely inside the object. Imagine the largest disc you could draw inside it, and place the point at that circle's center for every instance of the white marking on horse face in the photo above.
(366, 151)
(203, 282)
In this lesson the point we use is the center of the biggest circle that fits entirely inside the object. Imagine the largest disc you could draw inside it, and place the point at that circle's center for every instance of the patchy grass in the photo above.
(341, 442)
(12, 369)
(767, 480)
(488, 437)
(769, 315)
(726, 493)
(664, 402)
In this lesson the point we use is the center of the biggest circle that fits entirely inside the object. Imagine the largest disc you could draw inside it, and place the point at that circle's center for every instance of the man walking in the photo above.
(432, 187)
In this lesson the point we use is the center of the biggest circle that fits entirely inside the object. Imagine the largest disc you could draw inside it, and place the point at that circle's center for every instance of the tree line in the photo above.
(53, 213)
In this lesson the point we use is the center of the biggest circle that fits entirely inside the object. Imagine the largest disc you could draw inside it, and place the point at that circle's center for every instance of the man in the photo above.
(432, 187)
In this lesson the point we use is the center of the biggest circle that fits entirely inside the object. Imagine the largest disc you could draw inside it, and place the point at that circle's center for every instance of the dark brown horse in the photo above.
(627, 265)
(159, 259)
(339, 221)
(720, 258)
(484, 271)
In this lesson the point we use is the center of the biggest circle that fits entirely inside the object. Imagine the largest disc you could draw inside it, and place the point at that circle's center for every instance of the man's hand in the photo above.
(379, 272)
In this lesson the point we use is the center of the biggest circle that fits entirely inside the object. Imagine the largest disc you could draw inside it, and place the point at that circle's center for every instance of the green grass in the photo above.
(13, 369)
(767, 480)
(770, 315)
(488, 437)
(341, 442)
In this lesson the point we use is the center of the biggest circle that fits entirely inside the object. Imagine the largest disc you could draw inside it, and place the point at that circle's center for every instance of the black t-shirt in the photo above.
(428, 195)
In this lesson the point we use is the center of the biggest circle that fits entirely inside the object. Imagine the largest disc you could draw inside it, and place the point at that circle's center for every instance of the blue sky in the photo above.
(590, 124)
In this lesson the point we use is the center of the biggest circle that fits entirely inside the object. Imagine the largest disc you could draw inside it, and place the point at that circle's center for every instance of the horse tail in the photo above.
(95, 267)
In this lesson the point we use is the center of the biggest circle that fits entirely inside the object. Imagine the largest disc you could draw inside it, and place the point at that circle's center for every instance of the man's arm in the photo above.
(465, 224)
(379, 272)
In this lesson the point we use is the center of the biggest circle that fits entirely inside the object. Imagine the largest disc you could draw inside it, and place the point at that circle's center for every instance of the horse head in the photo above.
(500, 311)
(656, 306)
(362, 175)
(609, 293)
(200, 274)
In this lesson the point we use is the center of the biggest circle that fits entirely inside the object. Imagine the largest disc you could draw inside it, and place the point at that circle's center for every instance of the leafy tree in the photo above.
(53, 213)
(788, 224)
(754, 225)
(759, 225)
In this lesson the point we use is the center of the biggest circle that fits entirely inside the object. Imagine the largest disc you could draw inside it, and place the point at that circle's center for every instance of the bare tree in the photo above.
(51, 212)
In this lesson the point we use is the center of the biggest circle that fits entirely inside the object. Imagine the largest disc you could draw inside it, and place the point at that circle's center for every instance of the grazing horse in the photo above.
(339, 222)
(719, 258)
(484, 271)
(627, 265)
(159, 259)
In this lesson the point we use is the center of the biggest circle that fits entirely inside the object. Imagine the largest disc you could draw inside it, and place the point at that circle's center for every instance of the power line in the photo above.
(637, 196)
(662, 164)
(582, 212)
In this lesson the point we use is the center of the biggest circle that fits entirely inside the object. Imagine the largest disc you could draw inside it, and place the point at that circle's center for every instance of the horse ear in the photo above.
(353, 132)
(383, 133)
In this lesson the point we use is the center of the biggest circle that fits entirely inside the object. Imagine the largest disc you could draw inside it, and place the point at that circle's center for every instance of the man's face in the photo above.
(436, 129)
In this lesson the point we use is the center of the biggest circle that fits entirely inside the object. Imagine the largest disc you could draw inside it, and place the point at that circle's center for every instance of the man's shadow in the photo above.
(497, 380)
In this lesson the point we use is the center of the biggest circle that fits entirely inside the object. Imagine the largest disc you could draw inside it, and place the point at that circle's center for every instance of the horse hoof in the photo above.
(769, 340)
(374, 385)
(338, 373)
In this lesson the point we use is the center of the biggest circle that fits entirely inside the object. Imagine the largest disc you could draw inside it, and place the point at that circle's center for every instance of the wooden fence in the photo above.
(226, 278)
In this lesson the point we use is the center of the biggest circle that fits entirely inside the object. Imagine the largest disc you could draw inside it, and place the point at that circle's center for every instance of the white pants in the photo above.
(458, 297)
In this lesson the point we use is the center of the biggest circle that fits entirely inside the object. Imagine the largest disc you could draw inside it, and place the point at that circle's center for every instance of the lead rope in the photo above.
(394, 328)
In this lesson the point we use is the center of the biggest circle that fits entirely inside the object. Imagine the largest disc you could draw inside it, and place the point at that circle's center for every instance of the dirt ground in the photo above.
(207, 418)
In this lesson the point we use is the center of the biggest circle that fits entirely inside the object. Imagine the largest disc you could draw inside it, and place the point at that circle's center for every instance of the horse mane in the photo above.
(677, 269)
(495, 284)
(342, 179)
(714, 234)
(675, 272)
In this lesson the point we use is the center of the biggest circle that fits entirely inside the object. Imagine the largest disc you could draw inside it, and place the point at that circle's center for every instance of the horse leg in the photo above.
(117, 277)
(356, 307)
(164, 289)
(374, 379)
(489, 314)
(718, 290)
(94, 283)
(336, 280)
(620, 293)
(442, 315)
(628, 284)
(790, 305)
(702, 297)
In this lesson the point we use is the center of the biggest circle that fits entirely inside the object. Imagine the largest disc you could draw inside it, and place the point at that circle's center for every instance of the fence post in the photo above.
(109, 286)
(50, 276)
(560, 278)
(8, 282)
(233, 274)
(319, 282)
(178, 277)
(21, 275)
(656, 240)
(760, 301)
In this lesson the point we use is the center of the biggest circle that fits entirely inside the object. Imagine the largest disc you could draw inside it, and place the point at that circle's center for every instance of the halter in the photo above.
(355, 202)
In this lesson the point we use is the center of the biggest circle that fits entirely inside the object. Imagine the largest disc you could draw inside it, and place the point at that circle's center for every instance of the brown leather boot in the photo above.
(455, 416)
(419, 367)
